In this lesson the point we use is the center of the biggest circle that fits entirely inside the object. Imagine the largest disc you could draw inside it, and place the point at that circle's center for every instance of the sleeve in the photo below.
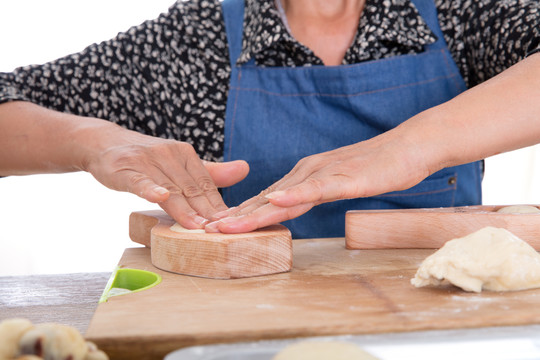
(129, 79)
(488, 36)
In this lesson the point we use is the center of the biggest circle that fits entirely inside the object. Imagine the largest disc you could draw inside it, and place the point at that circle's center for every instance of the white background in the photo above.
(71, 223)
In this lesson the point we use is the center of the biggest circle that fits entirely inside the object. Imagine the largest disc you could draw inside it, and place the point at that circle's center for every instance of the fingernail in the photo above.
(231, 219)
(212, 227)
(275, 195)
(223, 213)
(199, 220)
(160, 190)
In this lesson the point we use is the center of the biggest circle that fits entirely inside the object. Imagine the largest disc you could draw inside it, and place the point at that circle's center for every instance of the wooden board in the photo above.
(431, 228)
(213, 255)
(330, 291)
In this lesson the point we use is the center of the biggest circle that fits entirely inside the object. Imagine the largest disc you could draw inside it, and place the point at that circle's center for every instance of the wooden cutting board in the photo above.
(330, 291)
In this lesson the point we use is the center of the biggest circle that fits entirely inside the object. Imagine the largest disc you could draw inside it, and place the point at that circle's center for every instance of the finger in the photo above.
(201, 192)
(261, 199)
(191, 180)
(264, 216)
(227, 173)
(316, 190)
(182, 212)
(174, 203)
(143, 186)
(292, 178)
(255, 202)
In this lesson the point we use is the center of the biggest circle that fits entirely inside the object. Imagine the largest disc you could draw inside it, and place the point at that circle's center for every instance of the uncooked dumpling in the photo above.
(21, 340)
(55, 341)
(489, 259)
(519, 209)
(323, 350)
(11, 330)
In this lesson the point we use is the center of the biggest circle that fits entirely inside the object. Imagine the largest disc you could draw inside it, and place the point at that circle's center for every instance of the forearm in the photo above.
(499, 115)
(37, 140)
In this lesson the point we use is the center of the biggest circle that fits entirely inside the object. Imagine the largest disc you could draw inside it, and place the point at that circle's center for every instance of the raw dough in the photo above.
(21, 340)
(323, 350)
(180, 229)
(519, 209)
(489, 259)
(55, 341)
(11, 331)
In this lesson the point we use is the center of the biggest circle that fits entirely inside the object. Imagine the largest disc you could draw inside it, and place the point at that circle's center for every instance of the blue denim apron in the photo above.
(275, 116)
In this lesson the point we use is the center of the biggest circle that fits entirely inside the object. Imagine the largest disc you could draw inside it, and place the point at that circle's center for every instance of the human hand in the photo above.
(369, 168)
(162, 171)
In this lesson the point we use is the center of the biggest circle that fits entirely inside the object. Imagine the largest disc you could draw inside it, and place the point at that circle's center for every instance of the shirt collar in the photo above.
(263, 27)
(403, 23)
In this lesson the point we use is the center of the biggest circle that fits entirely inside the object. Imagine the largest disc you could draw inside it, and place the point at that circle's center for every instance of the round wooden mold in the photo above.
(212, 255)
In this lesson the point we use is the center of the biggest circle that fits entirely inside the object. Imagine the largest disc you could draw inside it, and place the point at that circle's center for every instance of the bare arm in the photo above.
(500, 115)
(37, 140)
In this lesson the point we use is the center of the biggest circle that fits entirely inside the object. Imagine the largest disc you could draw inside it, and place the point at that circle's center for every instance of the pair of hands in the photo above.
(171, 174)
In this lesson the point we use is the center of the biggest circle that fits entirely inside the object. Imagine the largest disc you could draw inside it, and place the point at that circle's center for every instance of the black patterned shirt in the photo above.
(169, 77)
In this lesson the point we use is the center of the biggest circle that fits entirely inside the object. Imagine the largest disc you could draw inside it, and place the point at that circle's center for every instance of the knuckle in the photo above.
(191, 191)
(173, 189)
(206, 184)
(314, 184)
(186, 148)
(162, 150)
(263, 193)
(310, 160)
(137, 180)
(261, 197)
(309, 165)
(136, 184)
(303, 161)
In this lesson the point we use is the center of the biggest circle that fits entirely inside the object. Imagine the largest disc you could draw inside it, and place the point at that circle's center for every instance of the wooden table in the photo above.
(72, 299)
(69, 299)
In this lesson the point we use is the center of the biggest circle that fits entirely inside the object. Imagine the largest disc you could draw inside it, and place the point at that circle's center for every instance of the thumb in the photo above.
(227, 173)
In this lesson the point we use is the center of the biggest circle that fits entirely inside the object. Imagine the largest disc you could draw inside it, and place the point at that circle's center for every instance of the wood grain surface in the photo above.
(431, 228)
(330, 291)
(69, 299)
(212, 255)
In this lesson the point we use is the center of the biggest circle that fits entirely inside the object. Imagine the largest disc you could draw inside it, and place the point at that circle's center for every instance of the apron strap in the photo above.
(233, 14)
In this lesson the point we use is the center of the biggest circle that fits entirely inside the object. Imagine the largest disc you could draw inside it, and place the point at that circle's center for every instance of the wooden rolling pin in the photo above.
(217, 256)
(431, 228)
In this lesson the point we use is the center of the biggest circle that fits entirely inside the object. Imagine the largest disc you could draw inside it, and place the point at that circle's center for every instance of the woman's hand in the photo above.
(37, 140)
(166, 172)
(383, 164)
(501, 114)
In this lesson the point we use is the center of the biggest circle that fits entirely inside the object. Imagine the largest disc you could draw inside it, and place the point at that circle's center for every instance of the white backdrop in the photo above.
(71, 223)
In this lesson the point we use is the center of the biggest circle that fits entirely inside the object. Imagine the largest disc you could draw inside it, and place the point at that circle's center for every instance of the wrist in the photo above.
(424, 141)
(90, 137)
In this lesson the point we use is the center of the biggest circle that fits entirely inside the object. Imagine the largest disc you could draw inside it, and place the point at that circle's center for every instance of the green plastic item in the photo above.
(126, 281)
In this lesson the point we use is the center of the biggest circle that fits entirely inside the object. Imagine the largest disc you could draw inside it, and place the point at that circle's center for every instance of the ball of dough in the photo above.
(323, 350)
(11, 331)
(54, 341)
(519, 209)
(94, 353)
(489, 259)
